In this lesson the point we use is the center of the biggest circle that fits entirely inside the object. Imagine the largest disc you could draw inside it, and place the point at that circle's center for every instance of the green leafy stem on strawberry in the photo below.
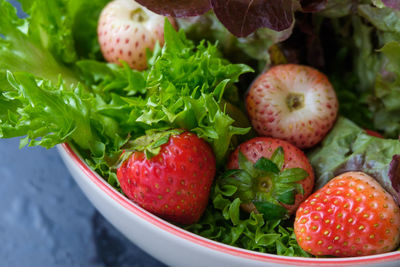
(264, 184)
(150, 143)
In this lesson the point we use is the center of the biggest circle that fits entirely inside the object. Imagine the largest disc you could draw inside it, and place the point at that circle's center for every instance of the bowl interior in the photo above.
(178, 232)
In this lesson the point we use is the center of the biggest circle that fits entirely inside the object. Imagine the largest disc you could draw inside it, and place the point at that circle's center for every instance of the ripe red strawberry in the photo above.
(126, 29)
(281, 175)
(352, 215)
(174, 184)
(292, 102)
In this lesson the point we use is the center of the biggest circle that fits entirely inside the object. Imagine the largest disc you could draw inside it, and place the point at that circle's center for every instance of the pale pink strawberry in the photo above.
(292, 102)
(126, 29)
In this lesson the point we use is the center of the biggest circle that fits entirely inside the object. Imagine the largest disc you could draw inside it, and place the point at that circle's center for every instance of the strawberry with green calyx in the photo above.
(169, 174)
(269, 176)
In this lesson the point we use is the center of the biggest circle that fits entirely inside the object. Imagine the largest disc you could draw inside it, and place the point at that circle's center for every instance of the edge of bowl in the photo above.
(210, 244)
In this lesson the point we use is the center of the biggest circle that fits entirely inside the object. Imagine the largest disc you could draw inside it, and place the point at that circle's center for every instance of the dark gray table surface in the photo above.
(47, 221)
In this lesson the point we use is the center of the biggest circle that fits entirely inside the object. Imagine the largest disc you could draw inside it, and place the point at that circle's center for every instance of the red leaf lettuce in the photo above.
(241, 17)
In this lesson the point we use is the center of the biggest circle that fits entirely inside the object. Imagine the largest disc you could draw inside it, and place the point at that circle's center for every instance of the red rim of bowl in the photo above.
(201, 241)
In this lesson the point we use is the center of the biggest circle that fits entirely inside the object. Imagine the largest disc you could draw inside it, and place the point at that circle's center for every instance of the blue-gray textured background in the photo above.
(47, 221)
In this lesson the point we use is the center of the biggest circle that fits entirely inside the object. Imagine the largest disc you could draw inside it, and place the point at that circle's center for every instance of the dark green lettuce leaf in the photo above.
(367, 62)
(248, 49)
(341, 8)
(391, 50)
(348, 148)
(84, 16)
(359, 70)
(351, 65)
(385, 102)
(378, 70)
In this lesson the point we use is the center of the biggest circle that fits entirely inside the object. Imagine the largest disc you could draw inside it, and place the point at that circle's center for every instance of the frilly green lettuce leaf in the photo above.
(348, 148)
(224, 221)
(183, 88)
(49, 114)
(106, 78)
(43, 99)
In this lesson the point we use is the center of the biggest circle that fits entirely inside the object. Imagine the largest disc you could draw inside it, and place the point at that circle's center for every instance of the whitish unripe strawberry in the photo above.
(126, 29)
(294, 103)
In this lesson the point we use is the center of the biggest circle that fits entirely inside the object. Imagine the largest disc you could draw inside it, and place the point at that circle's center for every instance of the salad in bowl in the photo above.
(271, 127)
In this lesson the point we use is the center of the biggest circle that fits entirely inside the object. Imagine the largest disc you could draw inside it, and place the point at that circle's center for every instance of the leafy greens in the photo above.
(100, 106)
(55, 88)
(225, 222)
(349, 148)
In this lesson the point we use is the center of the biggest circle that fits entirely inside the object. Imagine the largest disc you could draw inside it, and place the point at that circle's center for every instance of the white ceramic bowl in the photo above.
(177, 247)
